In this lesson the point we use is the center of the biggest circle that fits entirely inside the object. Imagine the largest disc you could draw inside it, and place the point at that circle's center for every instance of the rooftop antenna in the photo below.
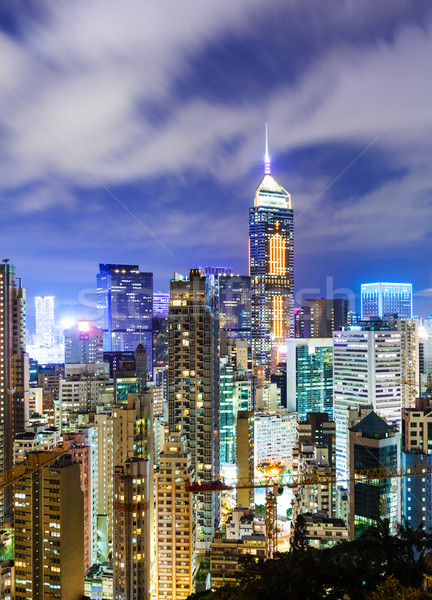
(267, 168)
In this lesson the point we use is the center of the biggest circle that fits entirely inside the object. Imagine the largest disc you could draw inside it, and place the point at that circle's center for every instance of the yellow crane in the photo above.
(274, 482)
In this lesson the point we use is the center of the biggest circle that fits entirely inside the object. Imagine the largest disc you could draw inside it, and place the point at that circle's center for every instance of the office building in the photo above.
(125, 307)
(417, 427)
(319, 431)
(49, 533)
(271, 268)
(309, 375)
(83, 343)
(319, 317)
(175, 523)
(193, 384)
(234, 305)
(274, 437)
(383, 299)
(417, 491)
(366, 371)
(14, 371)
(45, 328)
(373, 444)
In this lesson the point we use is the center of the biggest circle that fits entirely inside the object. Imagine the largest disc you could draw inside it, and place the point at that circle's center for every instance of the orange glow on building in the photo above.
(277, 325)
(277, 255)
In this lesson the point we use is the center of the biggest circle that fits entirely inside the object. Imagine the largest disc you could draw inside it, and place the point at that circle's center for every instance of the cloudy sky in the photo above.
(134, 132)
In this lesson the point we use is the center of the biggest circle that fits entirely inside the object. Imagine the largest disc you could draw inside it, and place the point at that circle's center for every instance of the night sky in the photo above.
(133, 132)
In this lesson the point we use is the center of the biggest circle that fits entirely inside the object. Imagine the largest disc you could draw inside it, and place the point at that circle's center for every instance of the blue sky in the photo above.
(134, 132)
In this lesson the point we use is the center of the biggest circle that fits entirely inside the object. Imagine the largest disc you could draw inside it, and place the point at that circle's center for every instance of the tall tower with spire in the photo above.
(271, 267)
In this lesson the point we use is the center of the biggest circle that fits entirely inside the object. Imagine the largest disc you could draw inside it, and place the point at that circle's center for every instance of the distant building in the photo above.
(383, 299)
(98, 582)
(125, 307)
(309, 375)
(324, 532)
(245, 456)
(83, 343)
(271, 268)
(321, 316)
(45, 328)
(234, 305)
(161, 305)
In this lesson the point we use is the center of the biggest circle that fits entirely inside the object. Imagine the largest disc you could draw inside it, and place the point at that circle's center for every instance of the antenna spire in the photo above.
(267, 168)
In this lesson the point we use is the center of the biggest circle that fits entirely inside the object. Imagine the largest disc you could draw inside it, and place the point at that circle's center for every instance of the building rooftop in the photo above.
(372, 424)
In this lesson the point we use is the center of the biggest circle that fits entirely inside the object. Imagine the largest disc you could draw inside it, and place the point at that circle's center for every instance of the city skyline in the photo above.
(180, 151)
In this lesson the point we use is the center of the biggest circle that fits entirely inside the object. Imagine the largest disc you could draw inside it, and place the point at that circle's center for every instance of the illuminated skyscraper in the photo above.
(45, 329)
(83, 343)
(271, 266)
(125, 305)
(193, 389)
(14, 370)
(234, 305)
(383, 299)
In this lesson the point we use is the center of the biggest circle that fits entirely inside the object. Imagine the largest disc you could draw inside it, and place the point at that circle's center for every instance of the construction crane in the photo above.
(33, 462)
(274, 482)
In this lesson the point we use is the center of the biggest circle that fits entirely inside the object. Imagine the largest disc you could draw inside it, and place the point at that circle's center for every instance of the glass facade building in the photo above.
(310, 376)
(271, 267)
(382, 299)
(234, 305)
(374, 445)
(125, 309)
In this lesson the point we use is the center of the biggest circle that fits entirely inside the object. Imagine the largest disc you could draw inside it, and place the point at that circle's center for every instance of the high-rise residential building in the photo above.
(49, 533)
(133, 490)
(125, 306)
(133, 529)
(83, 343)
(319, 431)
(245, 456)
(175, 523)
(193, 384)
(14, 371)
(271, 268)
(373, 444)
(417, 427)
(383, 299)
(366, 371)
(103, 425)
(410, 365)
(45, 327)
(309, 375)
(234, 305)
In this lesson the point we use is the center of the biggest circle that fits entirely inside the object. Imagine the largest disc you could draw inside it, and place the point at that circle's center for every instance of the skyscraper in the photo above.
(325, 315)
(383, 299)
(14, 370)
(271, 268)
(193, 384)
(45, 329)
(366, 371)
(125, 306)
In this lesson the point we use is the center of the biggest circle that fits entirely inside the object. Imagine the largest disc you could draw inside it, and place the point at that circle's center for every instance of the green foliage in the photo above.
(370, 568)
